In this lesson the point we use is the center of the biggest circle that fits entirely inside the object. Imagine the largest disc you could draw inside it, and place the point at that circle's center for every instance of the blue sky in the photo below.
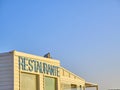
(83, 35)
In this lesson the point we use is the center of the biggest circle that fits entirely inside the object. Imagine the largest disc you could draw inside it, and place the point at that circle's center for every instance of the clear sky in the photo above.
(83, 34)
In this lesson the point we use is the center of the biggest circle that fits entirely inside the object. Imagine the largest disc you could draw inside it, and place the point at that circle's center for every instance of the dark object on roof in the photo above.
(47, 55)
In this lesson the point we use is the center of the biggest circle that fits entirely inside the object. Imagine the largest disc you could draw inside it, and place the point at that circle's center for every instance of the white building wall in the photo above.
(6, 71)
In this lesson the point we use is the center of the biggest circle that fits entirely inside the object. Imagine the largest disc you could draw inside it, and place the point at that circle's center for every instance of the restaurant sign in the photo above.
(31, 65)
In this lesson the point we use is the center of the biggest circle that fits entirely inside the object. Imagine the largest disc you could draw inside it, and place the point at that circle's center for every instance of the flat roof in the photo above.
(89, 84)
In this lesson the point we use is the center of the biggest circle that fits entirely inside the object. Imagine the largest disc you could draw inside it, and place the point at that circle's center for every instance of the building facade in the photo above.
(22, 71)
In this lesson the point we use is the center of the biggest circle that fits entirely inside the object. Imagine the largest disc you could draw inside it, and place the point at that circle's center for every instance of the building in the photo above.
(22, 71)
(114, 89)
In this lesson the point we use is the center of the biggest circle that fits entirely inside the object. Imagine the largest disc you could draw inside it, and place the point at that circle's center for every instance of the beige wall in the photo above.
(67, 78)
(17, 72)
